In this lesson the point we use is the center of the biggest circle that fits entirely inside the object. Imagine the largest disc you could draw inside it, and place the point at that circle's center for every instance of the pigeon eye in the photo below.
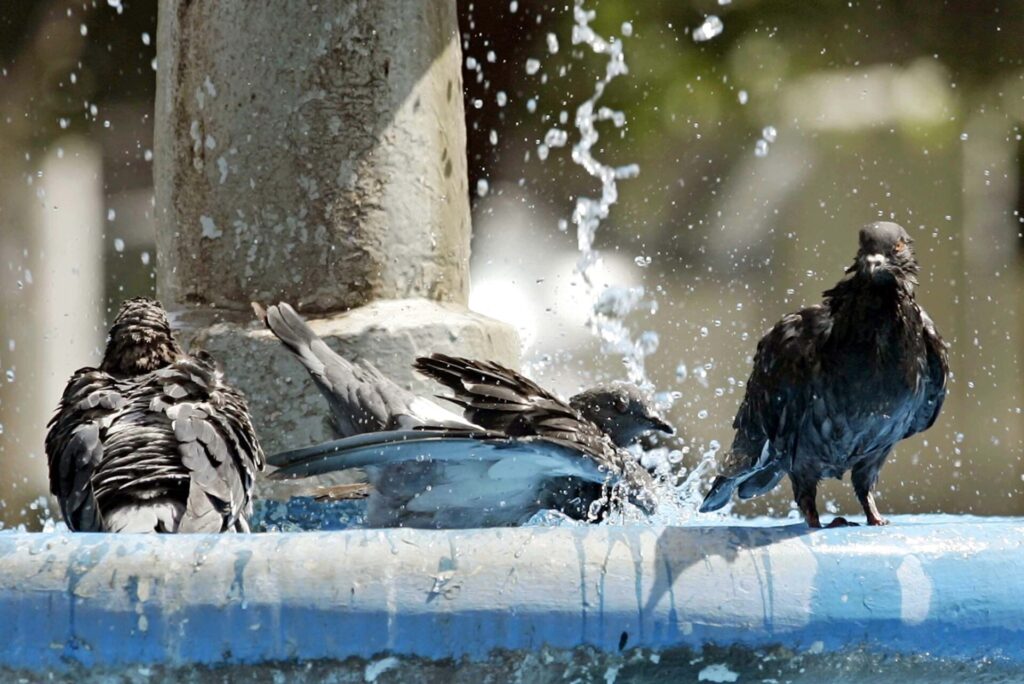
(900, 246)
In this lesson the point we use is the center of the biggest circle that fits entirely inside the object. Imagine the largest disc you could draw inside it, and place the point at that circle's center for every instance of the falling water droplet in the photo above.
(711, 27)
(761, 148)
(681, 372)
(769, 133)
(118, 245)
(532, 66)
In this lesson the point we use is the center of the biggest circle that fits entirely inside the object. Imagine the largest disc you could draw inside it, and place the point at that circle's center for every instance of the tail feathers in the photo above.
(289, 327)
(159, 515)
(719, 495)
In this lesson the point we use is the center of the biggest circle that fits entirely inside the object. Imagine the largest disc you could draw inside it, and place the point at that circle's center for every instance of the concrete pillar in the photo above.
(316, 156)
(53, 300)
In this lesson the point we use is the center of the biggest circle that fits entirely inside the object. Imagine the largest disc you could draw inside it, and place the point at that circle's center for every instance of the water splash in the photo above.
(609, 307)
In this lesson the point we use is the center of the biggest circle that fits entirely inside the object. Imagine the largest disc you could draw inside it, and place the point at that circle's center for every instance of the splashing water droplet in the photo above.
(118, 245)
(711, 27)
(742, 97)
(532, 66)
(552, 43)
(482, 187)
(769, 133)
(761, 148)
(556, 137)
(145, 258)
(10, 375)
(681, 372)
(642, 261)
(627, 29)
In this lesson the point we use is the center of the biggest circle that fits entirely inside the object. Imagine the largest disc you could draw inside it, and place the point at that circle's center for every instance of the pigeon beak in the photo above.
(661, 425)
(875, 262)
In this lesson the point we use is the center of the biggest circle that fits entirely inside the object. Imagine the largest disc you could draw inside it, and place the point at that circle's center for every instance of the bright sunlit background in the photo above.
(761, 150)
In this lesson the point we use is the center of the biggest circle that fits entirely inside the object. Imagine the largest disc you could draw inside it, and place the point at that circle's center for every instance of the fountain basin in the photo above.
(947, 586)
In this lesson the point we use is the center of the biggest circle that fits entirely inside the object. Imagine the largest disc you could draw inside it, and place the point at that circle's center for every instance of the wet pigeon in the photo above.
(361, 398)
(516, 450)
(152, 440)
(835, 386)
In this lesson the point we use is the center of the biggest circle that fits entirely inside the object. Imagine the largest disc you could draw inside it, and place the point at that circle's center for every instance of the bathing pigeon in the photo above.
(361, 398)
(835, 386)
(152, 440)
(516, 450)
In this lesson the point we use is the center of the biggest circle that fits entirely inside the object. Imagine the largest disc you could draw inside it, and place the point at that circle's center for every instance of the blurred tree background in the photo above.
(761, 151)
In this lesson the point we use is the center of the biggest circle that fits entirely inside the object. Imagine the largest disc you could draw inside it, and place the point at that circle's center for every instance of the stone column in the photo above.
(315, 153)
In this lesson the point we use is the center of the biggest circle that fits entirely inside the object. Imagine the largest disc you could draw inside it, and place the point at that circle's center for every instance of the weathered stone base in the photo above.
(287, 409)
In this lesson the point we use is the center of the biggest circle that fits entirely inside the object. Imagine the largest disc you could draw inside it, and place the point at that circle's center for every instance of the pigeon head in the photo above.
(622, 411)
(886, 254)
(140, 340)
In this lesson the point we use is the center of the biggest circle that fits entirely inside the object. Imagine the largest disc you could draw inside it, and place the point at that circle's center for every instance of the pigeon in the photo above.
(360, 397)
(515, 450)
(153, 440)
(836, 385)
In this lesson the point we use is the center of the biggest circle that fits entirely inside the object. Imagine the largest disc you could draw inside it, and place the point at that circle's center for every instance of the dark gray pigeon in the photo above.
(835, 386)
(152, 440)
(526, 451)
(361, 398)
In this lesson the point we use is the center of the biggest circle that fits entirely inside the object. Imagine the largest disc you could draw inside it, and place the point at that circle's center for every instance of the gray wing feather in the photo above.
(169, 450)
(361, 398)
(936, 373)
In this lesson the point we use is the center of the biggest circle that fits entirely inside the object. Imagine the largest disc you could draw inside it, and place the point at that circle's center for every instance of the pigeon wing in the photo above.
(936, 372)
(361, 398)
(74, 443)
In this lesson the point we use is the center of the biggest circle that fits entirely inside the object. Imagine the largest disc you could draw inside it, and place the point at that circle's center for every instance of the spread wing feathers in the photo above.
(492, 396)
(777, 395)
(457, 479)
(505, 455)
(500, 399)
(934, 377)
(172, 450)
(361, 398)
